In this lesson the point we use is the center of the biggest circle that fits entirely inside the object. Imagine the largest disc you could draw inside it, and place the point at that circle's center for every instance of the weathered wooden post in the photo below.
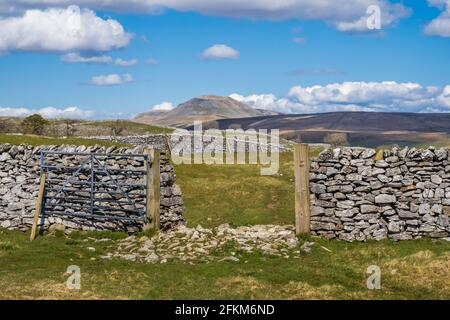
(153, 188)
(302, 194)
(37, 212)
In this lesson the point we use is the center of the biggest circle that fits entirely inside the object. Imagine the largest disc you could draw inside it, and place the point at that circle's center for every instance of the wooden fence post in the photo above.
(302, 193)
(153, 188)
(37, 213)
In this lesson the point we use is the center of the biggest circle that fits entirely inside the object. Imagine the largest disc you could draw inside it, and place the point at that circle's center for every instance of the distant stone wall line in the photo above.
(164, 142)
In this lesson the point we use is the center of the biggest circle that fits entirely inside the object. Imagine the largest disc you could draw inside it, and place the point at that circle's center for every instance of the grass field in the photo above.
(128, 127)
(58, 127)
(409, 270)
(42, 140)
(238, 194)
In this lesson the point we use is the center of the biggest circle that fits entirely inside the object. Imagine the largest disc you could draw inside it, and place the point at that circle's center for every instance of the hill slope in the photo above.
(347, 121)
(359, 128)
(203, 108)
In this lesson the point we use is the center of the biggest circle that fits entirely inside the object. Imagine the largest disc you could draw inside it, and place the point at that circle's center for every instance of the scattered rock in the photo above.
(202, 244)
(230, 258)
(307, 247)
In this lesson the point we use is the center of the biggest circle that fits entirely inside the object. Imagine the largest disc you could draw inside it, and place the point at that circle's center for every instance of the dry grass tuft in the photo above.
(424, 270)
(252, 288)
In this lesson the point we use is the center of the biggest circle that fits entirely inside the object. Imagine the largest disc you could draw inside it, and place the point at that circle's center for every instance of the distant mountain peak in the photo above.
(204, 108)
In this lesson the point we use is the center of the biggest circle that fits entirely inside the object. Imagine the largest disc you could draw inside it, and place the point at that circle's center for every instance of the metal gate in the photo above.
(101, 186)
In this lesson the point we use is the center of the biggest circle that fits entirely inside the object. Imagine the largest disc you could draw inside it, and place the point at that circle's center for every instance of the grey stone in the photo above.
(346, 213)
(318, 188)
(407, 214)
(385, 198)
(368, 153)
(369, 209)
(436, 179)
(317, 211)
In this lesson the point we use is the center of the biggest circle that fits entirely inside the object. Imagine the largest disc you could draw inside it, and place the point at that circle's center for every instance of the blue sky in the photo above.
(352, 70)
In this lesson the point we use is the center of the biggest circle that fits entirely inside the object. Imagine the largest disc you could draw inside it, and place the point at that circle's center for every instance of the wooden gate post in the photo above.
(302, 193)
(37, 213)
(153, 188)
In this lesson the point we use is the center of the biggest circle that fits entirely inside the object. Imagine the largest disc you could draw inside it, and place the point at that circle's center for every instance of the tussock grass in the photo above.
(409, 270)
(42, 140)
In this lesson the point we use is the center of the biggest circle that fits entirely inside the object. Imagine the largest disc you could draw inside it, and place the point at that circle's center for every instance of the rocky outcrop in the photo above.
(19, 184)
(405, 195)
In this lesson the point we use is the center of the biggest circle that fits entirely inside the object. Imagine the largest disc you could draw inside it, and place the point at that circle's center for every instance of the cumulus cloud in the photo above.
(111, 79)
(126, 63)
(219, 51)
(48, 112)
(75, 57)
(440, 26)
(355, 96)
(258, 101)
(59, 30)
(346, 15)
(163, 106)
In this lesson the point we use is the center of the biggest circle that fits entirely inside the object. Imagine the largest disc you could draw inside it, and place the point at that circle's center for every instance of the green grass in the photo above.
(130, 127)
(409, 270)
(238, 194)
(85, 127)
(41, 140)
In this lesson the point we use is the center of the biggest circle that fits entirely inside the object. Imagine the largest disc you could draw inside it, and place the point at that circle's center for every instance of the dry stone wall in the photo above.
(186, 142)
(405, 195)
(19, 184)
(155, 141)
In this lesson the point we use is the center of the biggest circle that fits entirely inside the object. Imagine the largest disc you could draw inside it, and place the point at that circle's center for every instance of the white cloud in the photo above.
(75, 57)
(126, 63)
(440, 26)
(259, 101)
(48, 112)
(163, 106)
(444, 98)
(355, 96)
(152, 61)
(111, 79)
(219, 51)
(60, 30)
(344, 14)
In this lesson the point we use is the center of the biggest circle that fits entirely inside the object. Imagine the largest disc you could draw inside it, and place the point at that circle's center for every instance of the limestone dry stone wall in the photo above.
(405, 195)
(155, 141)
(186, 142)
(19, 184)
